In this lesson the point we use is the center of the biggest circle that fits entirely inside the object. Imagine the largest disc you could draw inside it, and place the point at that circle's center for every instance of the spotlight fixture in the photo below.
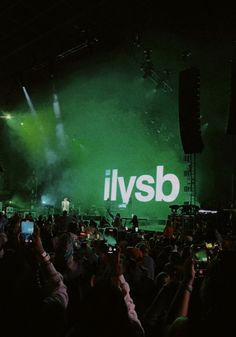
(137, 40)
(147, 66)
(160, 79)
(5, 115)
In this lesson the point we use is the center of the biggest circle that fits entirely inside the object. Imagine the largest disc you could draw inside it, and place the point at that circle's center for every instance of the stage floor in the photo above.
(151, 225)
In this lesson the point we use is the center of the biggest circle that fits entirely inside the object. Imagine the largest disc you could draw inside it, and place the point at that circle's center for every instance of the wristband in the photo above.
(45, 256)
(187, 287)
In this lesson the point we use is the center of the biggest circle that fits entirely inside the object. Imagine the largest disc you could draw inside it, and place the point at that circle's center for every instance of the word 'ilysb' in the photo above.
(147, 187)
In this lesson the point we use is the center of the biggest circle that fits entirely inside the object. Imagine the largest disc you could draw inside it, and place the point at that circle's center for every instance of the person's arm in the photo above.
(124, 286)
(3, 241)
(180, 304)
(54, 286)
(120, 281)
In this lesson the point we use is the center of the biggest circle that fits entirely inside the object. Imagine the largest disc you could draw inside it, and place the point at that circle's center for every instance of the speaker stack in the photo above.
(189, 110)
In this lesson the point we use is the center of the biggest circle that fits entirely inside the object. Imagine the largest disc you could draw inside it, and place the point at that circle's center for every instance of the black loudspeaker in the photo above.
(231, 127)
(189, 110)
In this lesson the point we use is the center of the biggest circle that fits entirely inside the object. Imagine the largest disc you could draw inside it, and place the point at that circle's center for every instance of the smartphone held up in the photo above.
(200, 256)
(27, 230)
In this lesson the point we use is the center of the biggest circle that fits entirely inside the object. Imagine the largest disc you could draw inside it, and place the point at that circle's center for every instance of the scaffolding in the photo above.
(190, 174)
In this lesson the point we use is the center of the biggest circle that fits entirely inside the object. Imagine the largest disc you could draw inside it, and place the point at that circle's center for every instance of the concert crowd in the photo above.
(63, 276)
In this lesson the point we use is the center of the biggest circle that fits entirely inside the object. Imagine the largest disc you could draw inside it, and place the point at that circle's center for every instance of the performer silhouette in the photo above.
(65, 205)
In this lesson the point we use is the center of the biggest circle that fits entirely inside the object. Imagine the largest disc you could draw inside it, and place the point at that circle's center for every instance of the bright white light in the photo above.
(122, 205)
(28, 99)
(8, 116)
(56, 106)
(207, 211)
(60, 133)
(47, 200)
(59, 127)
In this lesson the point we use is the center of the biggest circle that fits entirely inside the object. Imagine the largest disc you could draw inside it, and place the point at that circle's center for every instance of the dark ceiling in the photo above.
(35, 33)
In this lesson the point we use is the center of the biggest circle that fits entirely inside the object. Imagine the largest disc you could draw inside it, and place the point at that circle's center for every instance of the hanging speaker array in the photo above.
(189, 110)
